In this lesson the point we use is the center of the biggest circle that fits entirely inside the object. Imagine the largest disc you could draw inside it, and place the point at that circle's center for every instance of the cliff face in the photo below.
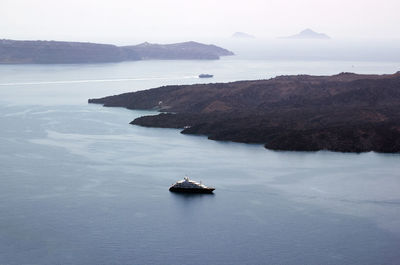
(345, 112)
(46, 52)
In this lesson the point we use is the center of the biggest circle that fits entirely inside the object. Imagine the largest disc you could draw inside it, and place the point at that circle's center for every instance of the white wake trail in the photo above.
(94, 81)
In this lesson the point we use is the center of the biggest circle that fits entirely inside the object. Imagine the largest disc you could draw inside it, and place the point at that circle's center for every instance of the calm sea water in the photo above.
(79, 185)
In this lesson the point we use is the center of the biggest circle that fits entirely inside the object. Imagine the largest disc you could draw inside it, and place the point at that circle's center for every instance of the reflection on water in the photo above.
(191, 197)
(191, 205)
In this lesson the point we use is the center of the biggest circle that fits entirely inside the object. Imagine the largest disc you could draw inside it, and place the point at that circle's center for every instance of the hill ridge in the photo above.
(49, 52)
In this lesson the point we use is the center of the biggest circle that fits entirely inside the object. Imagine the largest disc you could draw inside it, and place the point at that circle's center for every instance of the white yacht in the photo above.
(191, 186)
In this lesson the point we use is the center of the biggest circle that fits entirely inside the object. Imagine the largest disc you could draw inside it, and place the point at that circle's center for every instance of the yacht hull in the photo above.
(191, 190)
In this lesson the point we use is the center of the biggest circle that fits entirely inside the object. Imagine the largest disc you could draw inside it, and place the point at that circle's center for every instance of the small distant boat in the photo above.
(205, 76)
(190, 186)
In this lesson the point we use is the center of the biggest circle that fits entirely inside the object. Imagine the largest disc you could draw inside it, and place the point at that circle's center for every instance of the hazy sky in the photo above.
(124, 21)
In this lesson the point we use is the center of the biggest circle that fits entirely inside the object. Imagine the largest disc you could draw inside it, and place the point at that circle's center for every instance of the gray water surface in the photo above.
(79, 185)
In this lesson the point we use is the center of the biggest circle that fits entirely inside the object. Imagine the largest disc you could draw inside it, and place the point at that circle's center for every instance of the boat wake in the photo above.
(95, 81)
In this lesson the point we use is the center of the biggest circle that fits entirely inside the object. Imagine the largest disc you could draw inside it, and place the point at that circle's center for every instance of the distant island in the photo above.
(308, 34)
(242, 35)
(49, 52)
(345, 112)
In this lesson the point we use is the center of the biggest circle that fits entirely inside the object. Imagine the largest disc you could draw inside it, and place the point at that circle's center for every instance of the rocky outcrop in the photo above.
(345, 112)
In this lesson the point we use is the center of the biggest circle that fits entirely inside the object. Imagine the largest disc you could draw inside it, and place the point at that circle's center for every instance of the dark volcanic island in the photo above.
(345, 112)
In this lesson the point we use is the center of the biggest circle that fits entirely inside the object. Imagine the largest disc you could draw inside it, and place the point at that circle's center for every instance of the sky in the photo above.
(134, 21)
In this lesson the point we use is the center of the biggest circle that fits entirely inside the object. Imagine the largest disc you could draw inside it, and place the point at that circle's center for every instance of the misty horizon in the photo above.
(298, 49)
(126, 22)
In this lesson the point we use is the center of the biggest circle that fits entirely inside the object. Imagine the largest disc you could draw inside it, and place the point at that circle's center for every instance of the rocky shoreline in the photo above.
(345, 112)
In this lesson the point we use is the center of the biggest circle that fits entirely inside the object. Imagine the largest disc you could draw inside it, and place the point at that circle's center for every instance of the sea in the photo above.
(80, 185)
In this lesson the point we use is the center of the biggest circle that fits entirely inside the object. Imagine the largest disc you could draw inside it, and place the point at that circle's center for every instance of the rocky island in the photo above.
(242, 35)
(308, 34)
(57, 52)
(345, 112)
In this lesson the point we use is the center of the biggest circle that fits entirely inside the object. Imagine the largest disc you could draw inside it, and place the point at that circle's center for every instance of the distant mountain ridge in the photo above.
(308, 34)
(48, 52)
